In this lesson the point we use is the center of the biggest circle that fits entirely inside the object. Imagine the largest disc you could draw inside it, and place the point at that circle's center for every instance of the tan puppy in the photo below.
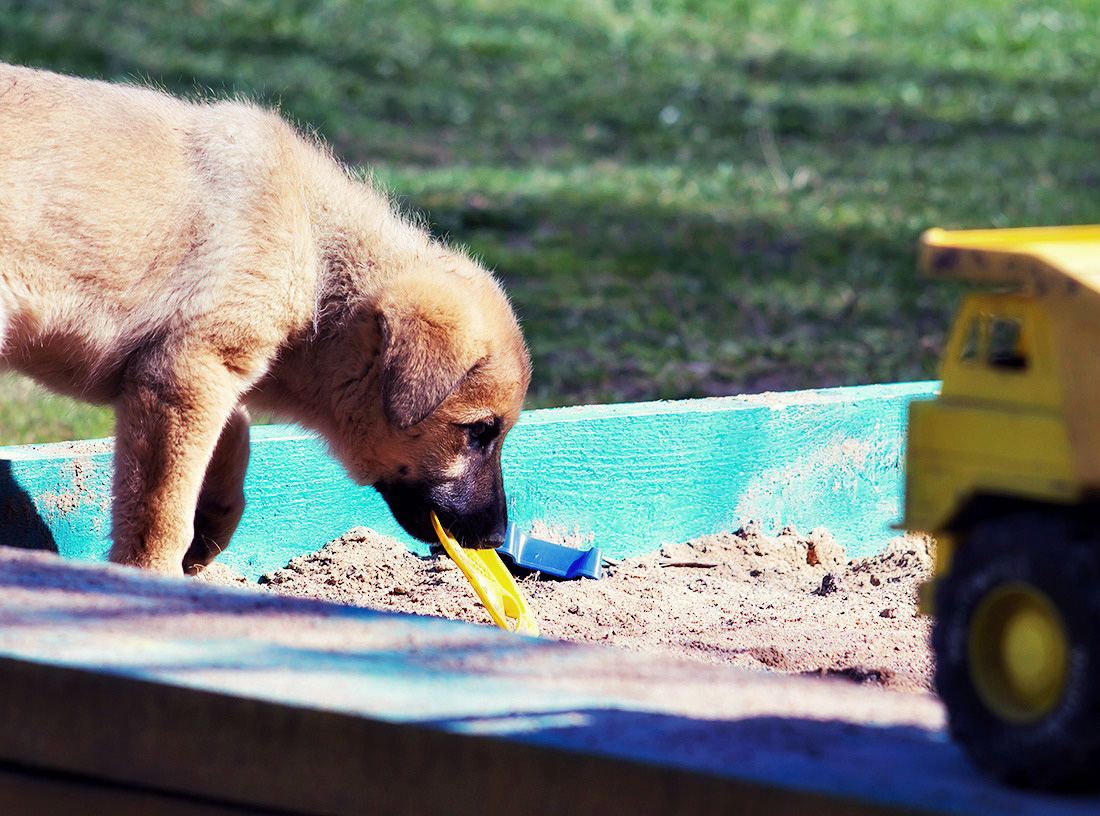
(182, 261)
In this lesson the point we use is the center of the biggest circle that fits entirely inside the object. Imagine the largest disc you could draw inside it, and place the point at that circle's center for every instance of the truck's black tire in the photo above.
(1058, 561)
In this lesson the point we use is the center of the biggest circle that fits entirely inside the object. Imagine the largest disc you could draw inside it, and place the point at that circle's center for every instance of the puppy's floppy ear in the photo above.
(427, 350)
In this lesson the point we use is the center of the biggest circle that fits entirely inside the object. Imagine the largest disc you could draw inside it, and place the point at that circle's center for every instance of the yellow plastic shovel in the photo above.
(492, 582)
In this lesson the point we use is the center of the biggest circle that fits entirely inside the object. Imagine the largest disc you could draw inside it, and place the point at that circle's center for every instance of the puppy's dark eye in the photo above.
(482, 433)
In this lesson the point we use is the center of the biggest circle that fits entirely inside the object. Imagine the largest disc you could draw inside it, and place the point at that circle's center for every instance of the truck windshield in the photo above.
(996, 340)
(1006, 343)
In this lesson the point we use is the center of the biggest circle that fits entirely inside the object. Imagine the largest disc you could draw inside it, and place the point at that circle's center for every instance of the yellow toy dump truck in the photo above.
(1004, 471)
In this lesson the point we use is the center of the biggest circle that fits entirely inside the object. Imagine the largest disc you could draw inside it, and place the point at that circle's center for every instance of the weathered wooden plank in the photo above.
(28, 791)
(633, 476)
(243, 699)
(298, 760)
(638, 476)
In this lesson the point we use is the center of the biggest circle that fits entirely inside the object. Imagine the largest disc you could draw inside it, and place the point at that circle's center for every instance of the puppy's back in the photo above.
(122, 208)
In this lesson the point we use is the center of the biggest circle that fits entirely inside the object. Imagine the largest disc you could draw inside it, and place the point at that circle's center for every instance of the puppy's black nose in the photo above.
(479, 532)
(494, 540)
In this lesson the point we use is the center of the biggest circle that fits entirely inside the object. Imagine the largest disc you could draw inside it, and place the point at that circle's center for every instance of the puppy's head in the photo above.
(452, 371)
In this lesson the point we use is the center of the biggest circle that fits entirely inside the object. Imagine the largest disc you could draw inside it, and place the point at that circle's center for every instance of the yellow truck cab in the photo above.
(1003, 469)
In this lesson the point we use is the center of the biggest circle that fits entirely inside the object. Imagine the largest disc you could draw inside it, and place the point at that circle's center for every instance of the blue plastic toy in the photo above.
(550, 558)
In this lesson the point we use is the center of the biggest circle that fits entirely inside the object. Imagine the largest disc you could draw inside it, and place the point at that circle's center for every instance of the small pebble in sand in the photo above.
(829, 585)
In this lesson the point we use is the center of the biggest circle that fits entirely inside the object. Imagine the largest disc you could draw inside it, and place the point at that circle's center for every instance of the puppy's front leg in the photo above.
(221, 502)
(171, 411)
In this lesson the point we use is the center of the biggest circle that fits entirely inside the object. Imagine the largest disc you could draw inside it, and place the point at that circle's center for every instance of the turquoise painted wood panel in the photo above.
(632, 476)
(57, 497)
(638, 476)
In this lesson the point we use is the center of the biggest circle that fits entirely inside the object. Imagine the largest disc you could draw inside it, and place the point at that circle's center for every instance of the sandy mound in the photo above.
(790, 602)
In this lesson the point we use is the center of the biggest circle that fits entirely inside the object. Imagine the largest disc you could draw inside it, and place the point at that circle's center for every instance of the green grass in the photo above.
(684, 198)
(31, 414)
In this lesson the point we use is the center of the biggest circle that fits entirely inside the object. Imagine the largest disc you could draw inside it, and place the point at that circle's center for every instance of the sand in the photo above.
(789, 603)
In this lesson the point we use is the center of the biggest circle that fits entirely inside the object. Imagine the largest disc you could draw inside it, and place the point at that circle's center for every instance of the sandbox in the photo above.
(724, 521)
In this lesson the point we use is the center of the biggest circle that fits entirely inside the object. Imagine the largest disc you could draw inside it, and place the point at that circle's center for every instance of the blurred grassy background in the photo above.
(683, 197)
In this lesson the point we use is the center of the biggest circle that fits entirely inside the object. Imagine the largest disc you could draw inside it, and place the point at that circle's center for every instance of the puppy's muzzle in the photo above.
(475, 514)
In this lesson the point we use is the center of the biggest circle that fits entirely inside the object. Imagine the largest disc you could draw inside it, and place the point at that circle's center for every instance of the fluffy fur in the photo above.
(182, 261)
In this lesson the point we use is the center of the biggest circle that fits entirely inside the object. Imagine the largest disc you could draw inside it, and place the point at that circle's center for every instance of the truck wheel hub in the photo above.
(1019, 653)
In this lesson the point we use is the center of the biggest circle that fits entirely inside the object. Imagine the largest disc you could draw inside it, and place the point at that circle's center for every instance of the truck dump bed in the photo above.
(1044, 258)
